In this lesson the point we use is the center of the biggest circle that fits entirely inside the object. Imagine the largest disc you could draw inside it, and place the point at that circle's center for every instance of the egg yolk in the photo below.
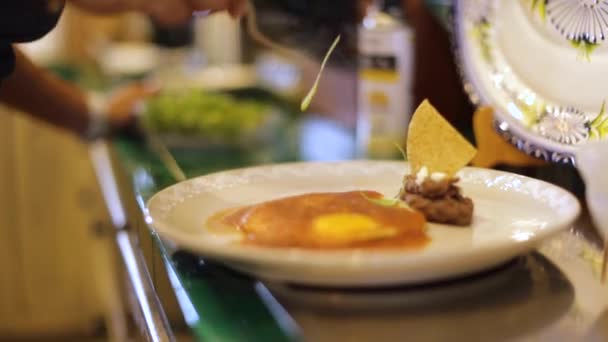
(342, 228)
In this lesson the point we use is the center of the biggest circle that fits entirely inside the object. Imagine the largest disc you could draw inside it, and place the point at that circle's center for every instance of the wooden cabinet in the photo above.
(57, 273)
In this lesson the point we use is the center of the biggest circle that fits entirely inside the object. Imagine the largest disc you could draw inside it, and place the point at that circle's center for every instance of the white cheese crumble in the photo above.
(423, 174)
(438, 176)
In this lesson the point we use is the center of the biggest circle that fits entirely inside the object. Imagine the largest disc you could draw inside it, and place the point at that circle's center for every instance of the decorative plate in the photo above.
(512, 215)
(542, 64)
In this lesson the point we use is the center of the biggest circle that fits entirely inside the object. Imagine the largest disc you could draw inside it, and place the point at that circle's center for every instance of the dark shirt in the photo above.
(24, 21)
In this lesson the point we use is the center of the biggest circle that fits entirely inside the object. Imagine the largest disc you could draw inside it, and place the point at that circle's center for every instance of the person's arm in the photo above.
(44, 96)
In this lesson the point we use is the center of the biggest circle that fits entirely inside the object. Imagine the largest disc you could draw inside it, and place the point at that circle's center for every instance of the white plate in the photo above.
(512, 214)
(548, 94)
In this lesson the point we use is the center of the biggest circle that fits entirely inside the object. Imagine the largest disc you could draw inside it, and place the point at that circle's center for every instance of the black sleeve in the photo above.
(24, 21)
(7, 60)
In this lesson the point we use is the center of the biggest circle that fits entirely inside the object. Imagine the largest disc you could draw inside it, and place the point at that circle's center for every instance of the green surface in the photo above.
(220, 305)
(226, 306)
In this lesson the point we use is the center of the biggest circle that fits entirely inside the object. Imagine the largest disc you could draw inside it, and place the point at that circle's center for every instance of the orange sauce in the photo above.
(288, 222)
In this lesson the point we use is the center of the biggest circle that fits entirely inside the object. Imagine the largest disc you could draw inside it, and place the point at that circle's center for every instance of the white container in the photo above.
(218, 38)
(385, 78)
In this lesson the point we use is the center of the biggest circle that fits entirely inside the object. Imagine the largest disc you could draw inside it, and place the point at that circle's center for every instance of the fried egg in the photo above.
(329, 220)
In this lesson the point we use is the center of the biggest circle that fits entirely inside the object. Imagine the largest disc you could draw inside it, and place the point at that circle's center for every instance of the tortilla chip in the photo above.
(434, 143)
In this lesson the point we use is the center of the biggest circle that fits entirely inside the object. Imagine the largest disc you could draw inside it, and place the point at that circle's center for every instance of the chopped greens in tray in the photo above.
(211, 115)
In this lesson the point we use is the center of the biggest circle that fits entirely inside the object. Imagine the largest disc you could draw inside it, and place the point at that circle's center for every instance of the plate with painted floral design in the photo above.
(542, 64)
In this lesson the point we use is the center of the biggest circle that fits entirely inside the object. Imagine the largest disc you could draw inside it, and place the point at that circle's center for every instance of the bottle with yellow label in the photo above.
(385, 77)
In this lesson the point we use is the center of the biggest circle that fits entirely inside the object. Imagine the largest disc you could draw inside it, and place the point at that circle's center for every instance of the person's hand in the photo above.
(166, 12)
(121, 105)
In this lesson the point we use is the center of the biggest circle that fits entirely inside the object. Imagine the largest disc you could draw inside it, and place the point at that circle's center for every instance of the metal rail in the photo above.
(152, 319)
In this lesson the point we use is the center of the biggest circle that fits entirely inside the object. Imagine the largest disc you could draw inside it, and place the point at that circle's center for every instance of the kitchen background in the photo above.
(60, 275)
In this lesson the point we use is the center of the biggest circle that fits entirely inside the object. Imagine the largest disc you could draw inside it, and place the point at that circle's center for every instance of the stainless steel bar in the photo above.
(155, 323)
(102, 164)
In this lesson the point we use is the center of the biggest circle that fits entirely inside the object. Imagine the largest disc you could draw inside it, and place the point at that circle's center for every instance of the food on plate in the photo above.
(436, 152)
(430, 192)
(434, 143)
(440, 200)
(328, 221)
(211, 115)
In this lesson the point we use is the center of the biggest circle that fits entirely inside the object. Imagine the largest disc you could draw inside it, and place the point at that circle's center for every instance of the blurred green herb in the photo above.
(386, 202)
(403, 154)
(212, 115)
(311, 93)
